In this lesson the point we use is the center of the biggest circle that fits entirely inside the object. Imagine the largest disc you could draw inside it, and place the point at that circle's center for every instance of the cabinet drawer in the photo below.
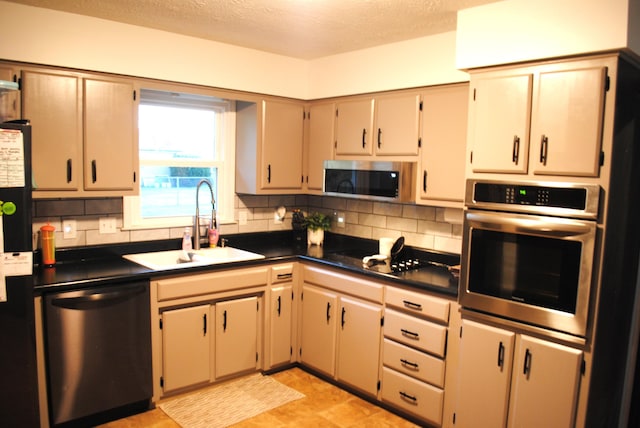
(413, 396)
(415, 332)
(413, 363)
(418, 303)
(282, 273)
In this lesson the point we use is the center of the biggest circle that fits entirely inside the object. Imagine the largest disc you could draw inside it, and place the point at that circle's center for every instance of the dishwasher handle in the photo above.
(93, 300)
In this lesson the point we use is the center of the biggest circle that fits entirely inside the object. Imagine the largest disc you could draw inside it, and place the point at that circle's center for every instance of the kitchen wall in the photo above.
(422, 226)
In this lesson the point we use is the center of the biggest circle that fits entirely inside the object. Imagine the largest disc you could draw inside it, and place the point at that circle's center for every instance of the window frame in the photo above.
(224, 205)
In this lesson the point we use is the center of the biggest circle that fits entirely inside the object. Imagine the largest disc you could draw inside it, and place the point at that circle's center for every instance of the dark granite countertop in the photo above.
(103, 265)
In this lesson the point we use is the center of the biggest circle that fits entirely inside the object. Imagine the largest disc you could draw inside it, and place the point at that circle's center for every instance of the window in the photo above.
(182, 139)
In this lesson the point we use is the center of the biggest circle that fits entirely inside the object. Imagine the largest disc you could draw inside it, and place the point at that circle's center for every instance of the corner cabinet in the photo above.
(341, 329)
(443, 141)
(541, 119)
(386, 126)
(511, 379)
(84, 131)
(269, 143)
(281, 315)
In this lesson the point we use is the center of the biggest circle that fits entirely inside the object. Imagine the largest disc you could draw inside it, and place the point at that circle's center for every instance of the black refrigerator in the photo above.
(18, 382)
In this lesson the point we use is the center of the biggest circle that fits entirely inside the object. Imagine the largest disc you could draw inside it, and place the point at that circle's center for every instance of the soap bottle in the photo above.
(213, 234)
(48, 244)
(186, 240)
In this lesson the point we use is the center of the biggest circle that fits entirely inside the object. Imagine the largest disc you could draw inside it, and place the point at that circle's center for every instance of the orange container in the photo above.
(48, 245)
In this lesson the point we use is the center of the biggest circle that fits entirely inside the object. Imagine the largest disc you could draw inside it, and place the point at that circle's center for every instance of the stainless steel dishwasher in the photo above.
(98, 343)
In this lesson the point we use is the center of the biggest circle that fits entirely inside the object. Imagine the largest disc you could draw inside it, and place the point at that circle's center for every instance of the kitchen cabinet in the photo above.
(506, 378)
(236, 338)
(319, 143)
(386, 126)
(84, 133)
(341, 329)
(414, 351)
(541, 119)
(9, 99)
(185, 347)
(270, 137)
(444, 140)
(282, 330)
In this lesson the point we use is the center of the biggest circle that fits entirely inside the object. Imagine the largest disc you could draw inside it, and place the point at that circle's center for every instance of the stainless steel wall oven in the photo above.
(528, 252)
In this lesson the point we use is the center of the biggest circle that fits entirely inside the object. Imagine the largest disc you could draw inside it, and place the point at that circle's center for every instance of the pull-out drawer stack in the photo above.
(415, 340)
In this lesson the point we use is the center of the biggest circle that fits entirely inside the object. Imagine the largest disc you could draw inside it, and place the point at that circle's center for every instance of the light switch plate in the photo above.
(107, 225)
(69, 229)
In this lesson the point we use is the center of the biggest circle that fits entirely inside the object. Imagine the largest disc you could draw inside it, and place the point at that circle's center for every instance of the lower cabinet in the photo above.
(236, 340)
(511, 379)
(280, 318)
(340, 332)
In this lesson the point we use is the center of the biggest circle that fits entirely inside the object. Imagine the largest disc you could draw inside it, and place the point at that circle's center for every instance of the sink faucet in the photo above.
(196, 223)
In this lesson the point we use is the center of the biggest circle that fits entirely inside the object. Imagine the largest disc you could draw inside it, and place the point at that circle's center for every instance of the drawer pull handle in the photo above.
(409, 364)
(409, 304)
(410, 334)
(285, 275)
(410, 398)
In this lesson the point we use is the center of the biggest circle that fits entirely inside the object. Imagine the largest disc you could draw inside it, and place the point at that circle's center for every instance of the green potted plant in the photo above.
(316, 224)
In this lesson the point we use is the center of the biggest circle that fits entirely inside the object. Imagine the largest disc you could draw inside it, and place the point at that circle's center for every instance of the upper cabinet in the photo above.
(9, 99)
(269, 145)
(84, 134)
(444, 141)
(544, 119)
(319, 143)
(385, 126)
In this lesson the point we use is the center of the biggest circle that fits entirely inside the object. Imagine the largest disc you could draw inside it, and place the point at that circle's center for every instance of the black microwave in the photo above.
(378, 180)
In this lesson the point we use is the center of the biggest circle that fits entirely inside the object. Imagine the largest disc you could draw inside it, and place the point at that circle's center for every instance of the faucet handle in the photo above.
(223, 242)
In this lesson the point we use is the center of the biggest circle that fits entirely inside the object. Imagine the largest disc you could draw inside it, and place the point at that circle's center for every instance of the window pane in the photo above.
(170, 191)
(167, 132)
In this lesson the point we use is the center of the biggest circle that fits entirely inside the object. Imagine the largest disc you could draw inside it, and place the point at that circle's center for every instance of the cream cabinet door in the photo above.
(53, 104)
(185, 347)
(359, 344)
(397, 128)
(499, 120)
(280, 350)
(110, 149)
(354, 128)
(444, 143)
(484, 376)
(9, 100)
(282, 141)
(236, 341)
(566, 128)
(320, 144)
(318, 329)
(544, 391)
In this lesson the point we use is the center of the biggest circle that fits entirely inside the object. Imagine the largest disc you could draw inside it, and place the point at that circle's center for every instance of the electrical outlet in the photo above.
(338, 219)
(69, 229)
(107, 225)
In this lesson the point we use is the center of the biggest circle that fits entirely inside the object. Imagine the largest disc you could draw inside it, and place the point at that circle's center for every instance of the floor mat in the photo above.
(230, 402)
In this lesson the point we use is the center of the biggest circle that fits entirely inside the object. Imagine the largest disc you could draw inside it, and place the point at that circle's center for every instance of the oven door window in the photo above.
(539, 271)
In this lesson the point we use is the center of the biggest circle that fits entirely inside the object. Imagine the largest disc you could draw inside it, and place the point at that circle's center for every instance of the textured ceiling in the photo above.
(303, 29)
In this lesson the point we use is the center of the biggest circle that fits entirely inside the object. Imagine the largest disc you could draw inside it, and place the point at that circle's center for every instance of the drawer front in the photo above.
(415, 332)
(412, 396)
(414, 363)
(419, 303)
(282, 273)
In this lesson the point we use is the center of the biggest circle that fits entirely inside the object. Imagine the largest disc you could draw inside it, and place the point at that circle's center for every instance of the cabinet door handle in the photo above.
(328, 311)
(69, 170)
(411, 398)
(424, 181)
(342, 320)
(364, 136)
(544, 142)
(285, 275)
(409, 304)
(269, 173)
(224, 321)
(279, 304)
(526, 370)
(204, 325)
(379, 137)
(500, 355)
(413, 366)
(516, 149)
(94, 171)
(410, 334)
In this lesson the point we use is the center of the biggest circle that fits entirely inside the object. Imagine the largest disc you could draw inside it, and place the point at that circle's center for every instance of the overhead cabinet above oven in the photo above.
(543, 119)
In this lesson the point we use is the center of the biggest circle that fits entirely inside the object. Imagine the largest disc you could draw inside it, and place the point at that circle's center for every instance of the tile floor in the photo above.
(324, 405)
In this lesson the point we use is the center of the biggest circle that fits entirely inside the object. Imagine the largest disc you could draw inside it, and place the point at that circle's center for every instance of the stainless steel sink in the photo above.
(178, 259)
